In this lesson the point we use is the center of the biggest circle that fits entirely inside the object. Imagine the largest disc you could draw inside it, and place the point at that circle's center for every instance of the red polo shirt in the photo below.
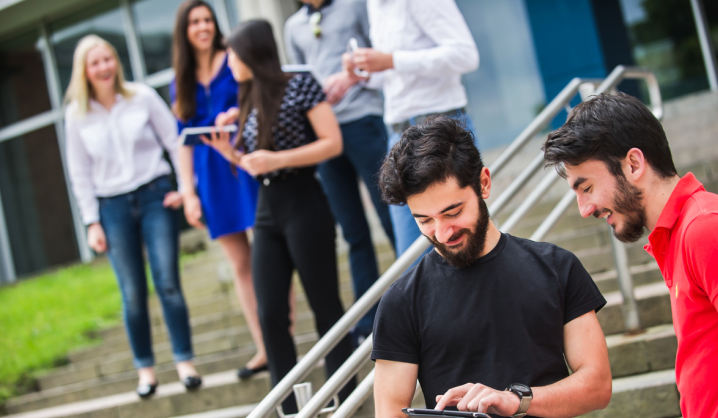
(685, 245)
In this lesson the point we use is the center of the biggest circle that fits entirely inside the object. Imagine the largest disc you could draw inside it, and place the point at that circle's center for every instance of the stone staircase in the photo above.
(99, 381)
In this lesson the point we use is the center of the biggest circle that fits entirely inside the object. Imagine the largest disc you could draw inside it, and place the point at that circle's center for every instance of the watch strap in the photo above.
(524, 401)
(523, 406)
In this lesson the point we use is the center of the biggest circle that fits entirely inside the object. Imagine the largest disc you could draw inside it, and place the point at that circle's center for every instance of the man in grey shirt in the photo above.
(318, 34)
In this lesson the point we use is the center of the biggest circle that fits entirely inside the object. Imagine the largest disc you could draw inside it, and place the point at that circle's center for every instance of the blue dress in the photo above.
(229, 199)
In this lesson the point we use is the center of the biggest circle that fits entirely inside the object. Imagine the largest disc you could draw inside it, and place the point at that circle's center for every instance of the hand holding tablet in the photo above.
(428, 413)
(191, 136)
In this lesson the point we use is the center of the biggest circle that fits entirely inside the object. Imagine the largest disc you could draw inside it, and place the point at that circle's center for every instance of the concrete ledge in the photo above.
(653, 350)
(650, 395)
(654, 308)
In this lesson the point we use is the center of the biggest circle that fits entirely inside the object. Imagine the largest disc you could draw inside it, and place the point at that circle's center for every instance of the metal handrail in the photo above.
(629, 306)
(338, 331)
(374, 293)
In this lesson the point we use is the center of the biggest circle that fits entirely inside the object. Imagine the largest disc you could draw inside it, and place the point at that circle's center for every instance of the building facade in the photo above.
(529, 50)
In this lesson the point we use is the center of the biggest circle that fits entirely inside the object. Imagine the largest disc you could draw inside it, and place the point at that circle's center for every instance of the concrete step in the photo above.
(230, 316)
(103, 386)
(203, 344)
(650, 351)
(213, 304)
(641, 274)
(648, 395)
(214, 324)
(219, 391)
(201, 269)
(600, 259)
(654, 308)
(119, 344)
(232, 412)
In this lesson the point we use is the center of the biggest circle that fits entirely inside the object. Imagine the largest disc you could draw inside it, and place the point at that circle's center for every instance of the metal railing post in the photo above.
(625, 283)
(55, 91)
(704, 37)
(134, 46)
(338, 380)
(6, 261)
(357, 398)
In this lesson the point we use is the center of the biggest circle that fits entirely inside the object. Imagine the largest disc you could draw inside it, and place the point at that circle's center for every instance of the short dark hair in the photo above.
(604, 128)
(429, 153)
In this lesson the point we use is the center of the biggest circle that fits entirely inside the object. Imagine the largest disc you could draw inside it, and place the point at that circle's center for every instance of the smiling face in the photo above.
(200, 28)
(101, 68)
(454, 219)
(603, 195)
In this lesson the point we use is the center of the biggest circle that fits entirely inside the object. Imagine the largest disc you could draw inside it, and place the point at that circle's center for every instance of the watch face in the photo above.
(521, 388)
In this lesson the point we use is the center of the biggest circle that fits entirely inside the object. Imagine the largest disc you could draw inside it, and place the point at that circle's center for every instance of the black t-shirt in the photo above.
(291, 128)
(496, 322)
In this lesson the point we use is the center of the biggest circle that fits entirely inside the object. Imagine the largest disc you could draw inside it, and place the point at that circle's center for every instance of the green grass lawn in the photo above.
(43, 318)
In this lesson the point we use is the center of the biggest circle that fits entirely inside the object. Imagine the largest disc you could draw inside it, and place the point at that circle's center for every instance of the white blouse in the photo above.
(111, 152)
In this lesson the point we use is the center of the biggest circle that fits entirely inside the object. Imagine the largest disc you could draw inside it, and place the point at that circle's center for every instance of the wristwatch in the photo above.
(525, 395)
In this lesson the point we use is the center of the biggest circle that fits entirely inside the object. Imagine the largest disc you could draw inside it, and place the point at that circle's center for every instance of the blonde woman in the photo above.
(115, 133)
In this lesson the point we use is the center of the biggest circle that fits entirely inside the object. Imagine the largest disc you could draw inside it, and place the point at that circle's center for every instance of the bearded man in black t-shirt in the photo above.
(484, 307)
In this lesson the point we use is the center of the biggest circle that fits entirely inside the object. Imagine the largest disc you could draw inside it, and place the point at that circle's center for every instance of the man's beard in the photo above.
(474, 243)
(627, 201)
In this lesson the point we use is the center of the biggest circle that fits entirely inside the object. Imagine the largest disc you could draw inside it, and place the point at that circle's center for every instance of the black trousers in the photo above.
(295, 229)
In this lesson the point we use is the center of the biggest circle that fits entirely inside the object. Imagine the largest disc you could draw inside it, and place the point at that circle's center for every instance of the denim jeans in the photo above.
(129, 220)
(364, 151)
(406, 231)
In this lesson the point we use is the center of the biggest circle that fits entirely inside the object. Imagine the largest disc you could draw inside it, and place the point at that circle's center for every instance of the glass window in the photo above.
(35, 202)
(506, 92)
(154, 22)
(664, 40)
(23, 88)
(232, 12)
(101, 20)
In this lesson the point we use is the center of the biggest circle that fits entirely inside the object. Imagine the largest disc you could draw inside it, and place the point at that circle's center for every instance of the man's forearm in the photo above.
(582, 392)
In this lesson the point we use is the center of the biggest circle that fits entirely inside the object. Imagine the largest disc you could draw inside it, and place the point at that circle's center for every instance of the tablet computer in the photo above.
(426, 413)
(191, 136)
(296, 68)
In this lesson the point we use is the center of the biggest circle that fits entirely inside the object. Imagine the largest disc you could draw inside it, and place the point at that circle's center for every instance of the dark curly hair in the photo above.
(604, 129)
(432, 152)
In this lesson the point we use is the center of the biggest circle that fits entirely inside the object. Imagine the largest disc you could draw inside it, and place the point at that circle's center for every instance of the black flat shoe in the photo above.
(192, 382)
(145, 391)
(246, 372)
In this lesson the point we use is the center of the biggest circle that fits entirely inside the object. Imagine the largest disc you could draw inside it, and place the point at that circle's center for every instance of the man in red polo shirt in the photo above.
(615, 155)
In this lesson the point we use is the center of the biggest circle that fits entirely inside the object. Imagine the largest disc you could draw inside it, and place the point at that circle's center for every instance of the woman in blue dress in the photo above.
(216, 195)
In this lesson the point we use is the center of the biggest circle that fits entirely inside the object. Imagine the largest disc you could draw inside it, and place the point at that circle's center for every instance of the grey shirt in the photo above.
(341, 21)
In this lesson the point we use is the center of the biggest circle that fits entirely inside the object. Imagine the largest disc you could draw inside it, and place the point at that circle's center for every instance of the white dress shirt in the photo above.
(431, 47)
(111, 152)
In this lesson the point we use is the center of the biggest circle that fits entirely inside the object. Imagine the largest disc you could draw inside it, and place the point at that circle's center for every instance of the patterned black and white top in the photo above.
(291, 128)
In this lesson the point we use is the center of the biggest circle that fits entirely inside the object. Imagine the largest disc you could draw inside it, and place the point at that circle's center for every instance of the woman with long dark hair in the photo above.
(204, 92)
(286, 128)
(115, 135)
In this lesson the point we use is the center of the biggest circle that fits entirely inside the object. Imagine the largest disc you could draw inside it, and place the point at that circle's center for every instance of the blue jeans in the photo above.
(406, 231)
(129, 220)
(364, 151)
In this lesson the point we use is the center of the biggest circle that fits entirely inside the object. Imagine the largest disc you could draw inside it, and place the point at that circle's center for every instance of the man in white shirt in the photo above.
(420, 50)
